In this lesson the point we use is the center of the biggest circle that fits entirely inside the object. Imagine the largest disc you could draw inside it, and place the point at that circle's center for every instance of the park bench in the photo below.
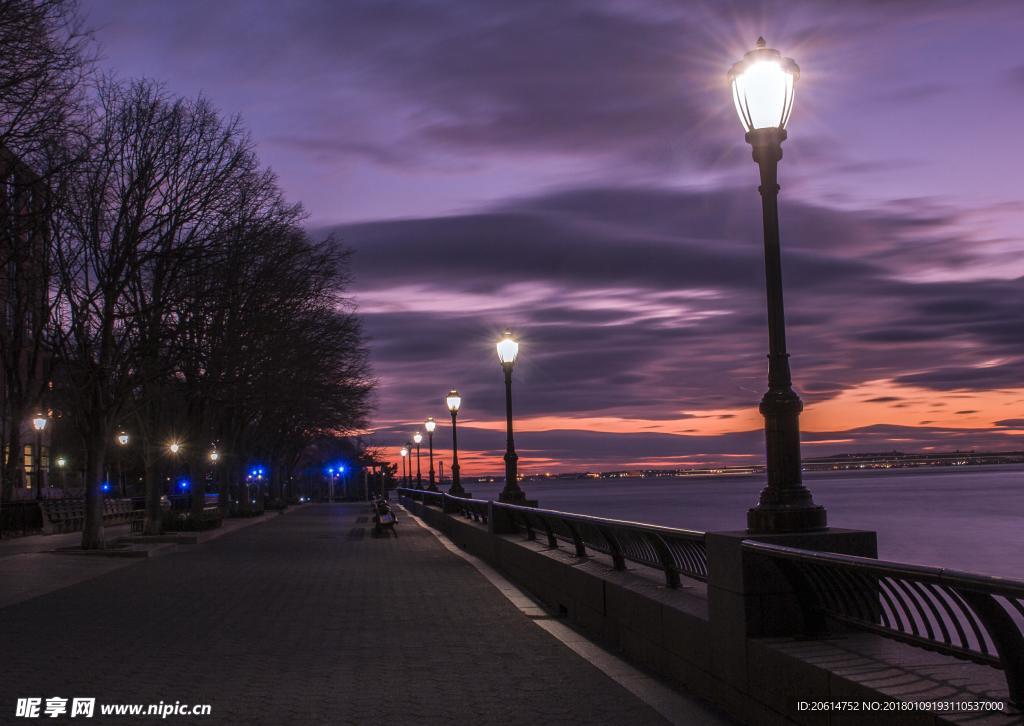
(179, 520)
(68, 515)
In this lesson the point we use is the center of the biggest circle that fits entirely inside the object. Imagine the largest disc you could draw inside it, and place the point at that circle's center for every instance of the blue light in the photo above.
(341, 469)
(105, 486)
(183, 484)
(331, 470)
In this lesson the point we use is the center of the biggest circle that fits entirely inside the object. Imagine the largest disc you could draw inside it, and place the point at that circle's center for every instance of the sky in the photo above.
(575, 171)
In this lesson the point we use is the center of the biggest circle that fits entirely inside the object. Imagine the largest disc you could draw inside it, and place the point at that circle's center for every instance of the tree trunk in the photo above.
(197, 487)
(223, 490)
(12, 467)
(92, 530)
(154, 487)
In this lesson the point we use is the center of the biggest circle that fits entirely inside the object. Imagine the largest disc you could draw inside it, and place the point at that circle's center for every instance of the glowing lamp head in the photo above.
(762, 88)
(430, 425)
(214, 456)
(174, 447)
(39, 421)
(417, 438)
(61, 461)
(508, 349)
(453, 400)
(404, 452)
(122, 438)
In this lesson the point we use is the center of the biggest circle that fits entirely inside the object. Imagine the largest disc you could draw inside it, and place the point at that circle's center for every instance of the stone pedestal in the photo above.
(749, 597)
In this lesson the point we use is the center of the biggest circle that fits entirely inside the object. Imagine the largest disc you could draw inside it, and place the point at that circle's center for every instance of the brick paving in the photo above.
(307, 619)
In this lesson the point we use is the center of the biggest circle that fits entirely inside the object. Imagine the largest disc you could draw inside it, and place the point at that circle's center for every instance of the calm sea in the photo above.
(968, 518)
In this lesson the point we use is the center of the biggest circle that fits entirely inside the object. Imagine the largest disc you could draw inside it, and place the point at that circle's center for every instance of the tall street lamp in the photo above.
(405, 476)
(762, 89)
(430, 425)
(122, 441)
(453, 401)
(174, 448)
(508, 350)
(39, 423)
(417, 438)
(61, 463)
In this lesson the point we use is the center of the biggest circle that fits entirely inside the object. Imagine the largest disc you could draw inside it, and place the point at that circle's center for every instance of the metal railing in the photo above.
(475, 509)
(965, 615)
(677, 552)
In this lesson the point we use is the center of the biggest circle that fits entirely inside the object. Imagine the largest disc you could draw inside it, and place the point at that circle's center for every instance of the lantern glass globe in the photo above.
(430, 425)
(508, 349)
(453, 400)
(763, 84)
(417, 437)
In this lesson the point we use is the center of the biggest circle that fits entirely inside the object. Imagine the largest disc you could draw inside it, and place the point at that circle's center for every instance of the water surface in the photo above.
(969, 518)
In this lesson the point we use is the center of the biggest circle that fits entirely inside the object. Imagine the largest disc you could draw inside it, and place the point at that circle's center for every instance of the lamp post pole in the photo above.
(430, 425)
(39, 464)
(39, 423)
(454, 401)
(418, 439)
(785, 504)
(508, 350)
(122, 440)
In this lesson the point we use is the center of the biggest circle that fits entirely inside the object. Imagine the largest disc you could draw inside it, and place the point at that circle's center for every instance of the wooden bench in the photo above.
(178, 521)
(68, 515)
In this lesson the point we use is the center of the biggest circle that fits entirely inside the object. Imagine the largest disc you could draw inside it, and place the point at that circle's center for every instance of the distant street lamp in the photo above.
(61, 463)
(453, 400)
(417, 438)
(214, 456)
(174, 448)
(508, 350)
(39, 423)
(405, 476)
(430, 425)
(122, 440)
(762, 89)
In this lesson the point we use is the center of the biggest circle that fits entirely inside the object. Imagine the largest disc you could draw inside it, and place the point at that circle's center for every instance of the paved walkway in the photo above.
(306, 619)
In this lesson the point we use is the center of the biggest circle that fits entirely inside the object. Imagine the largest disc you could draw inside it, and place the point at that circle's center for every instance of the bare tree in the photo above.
(47, 54)
(155, 185)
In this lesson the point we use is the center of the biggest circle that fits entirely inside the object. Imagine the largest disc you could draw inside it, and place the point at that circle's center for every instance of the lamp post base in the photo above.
(781, 519)
(516, 497)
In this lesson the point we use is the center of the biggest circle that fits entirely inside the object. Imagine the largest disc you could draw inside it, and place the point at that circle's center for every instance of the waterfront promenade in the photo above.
(307, 619)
